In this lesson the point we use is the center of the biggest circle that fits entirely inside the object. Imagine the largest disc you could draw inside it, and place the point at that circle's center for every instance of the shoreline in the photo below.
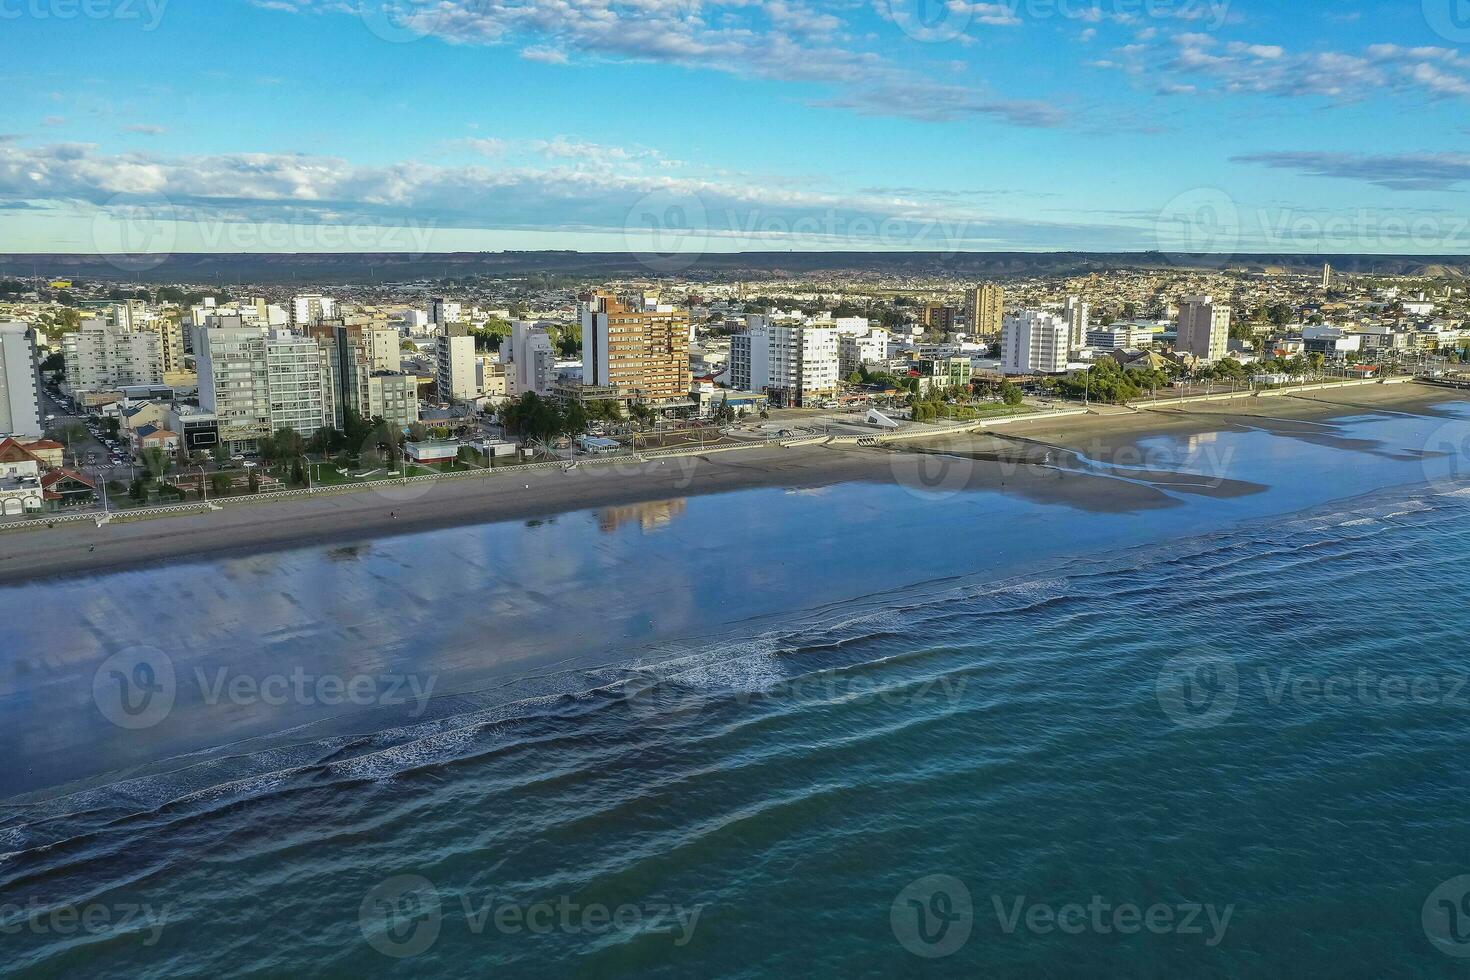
(1012, 460)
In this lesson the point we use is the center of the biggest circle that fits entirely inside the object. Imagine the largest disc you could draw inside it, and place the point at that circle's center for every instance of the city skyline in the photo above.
(1186, 126)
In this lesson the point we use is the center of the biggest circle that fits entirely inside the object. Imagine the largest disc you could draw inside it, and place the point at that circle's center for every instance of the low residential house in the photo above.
(63, 489)
(51, 454)
(144, 413)
(20, 488)
(14, 451)
(152, 437)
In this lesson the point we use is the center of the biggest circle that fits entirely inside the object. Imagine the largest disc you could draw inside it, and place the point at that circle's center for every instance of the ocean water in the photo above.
(870, 731)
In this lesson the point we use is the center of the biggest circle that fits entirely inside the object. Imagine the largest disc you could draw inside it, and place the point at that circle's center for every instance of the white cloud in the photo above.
(1203, 61)
(299, 189)
(784, 40)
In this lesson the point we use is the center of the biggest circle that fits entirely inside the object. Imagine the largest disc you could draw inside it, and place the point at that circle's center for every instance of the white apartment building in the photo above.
(100, 355)
(385, 349)
(442, 312)
(794, 362)
(454, 375)
(1119, 336)
(394, 397)
(1204, 328)
(1033, 342)
(309, 309)
(750, 359)
(1076, 313)
(854, 351)
(298, 383)
(256, 382)
(20, 412)
(531, 357)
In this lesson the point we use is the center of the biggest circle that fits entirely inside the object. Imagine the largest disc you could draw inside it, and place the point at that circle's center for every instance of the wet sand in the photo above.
(1090, 463)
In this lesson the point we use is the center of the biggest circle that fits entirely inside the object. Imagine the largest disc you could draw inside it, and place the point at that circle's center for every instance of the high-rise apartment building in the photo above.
(101, 354)
(136, 316)
(1204, 328)
(792, 362)
(298, 383)
(853, 352)
(939, 318)
(985, 310)
(1033, 342)
(454, 375)
(442, 313)
(20, 412)
(310, 308)
(364, 368)
(531, 357)
(1076, 314)
(644, 354)
(750, 357)
(256, 382)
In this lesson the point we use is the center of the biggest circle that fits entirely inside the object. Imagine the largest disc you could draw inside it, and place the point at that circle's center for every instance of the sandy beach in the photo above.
(1087, 462)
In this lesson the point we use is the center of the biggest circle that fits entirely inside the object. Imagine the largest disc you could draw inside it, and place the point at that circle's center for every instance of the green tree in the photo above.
(156, 461)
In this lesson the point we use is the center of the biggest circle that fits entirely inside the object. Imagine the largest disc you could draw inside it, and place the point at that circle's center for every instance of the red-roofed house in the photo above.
(12, 451)
(67, 488)
(51, 454)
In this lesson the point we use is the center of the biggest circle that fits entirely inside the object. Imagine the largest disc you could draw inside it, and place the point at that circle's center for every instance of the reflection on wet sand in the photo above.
(1324, 432)
(651, 516)
(1127, 480)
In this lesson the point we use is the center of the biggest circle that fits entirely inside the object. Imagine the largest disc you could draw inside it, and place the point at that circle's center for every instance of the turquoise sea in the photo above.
(874, 730)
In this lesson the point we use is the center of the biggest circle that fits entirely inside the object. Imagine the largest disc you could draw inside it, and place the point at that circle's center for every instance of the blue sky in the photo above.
(687, 126)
